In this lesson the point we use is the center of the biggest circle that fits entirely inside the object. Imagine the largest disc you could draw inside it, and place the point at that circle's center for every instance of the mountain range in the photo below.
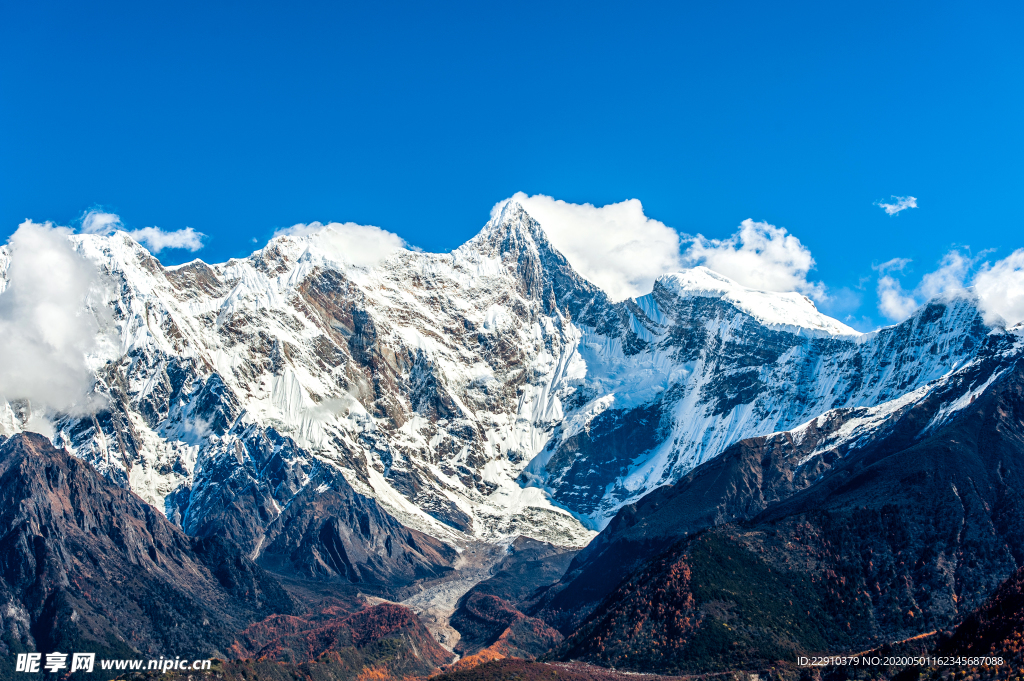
(707, 477)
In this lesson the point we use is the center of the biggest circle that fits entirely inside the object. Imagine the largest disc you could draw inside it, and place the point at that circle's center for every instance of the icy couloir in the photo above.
(488, 392)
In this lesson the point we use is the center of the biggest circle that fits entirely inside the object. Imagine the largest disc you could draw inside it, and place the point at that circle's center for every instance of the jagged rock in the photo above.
(329, 531)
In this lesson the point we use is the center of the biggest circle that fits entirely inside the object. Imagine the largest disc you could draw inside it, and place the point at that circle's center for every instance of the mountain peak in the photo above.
(510, 230)
(510, 211)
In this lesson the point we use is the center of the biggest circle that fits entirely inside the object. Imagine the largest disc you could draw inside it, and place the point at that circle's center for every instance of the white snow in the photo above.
(792, 312)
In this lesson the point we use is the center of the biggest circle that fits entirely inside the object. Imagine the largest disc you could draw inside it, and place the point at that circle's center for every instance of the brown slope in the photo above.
(522, 670)
(387, 630)
(86, 565)
(993, 630)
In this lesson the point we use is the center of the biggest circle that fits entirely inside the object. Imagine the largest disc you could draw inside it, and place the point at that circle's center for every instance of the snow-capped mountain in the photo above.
(703, 363)
(488, 392)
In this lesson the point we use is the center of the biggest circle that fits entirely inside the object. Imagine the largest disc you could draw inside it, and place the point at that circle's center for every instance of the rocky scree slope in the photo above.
(490, 615)
(490, 392)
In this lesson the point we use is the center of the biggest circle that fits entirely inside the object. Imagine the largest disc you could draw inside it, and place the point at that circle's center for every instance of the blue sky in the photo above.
(236, 119)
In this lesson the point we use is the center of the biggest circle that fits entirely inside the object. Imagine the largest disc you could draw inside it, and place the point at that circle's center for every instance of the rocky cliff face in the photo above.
(490, 392)
(88, 566)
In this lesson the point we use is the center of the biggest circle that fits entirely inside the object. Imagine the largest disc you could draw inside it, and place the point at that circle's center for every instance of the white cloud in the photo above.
(1000, 287)
(616, 246)
(155, 239)
(761, 256)
(899, 203)
(893, 302)
(48, 322)
(361, 245)
(948, 280)
(98, 222)
(896, 264)
(302, 229)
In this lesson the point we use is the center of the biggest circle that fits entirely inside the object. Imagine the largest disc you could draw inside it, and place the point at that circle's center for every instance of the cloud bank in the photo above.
(98, 222)
(156, 239)
(893, 302)
(998, 286)
(47, 326)
(899, 203)
(621, 250)
(153, 238)
(360, 245)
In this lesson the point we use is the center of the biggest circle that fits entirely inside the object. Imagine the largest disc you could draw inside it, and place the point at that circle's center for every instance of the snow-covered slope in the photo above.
(487, 392)
(713, 363)
(792, 312)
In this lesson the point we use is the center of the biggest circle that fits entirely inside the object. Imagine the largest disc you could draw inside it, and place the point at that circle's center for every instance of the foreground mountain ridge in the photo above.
(490, 392)
(775, 549)
(88, 566)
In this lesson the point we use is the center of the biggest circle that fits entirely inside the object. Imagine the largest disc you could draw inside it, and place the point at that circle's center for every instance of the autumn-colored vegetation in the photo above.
(493, 628)
(708, 605)
(386, 641)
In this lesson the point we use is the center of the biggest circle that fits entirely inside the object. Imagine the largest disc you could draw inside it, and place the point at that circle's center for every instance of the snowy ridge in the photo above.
(791, 312)
(853, 428)
(265, 327)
